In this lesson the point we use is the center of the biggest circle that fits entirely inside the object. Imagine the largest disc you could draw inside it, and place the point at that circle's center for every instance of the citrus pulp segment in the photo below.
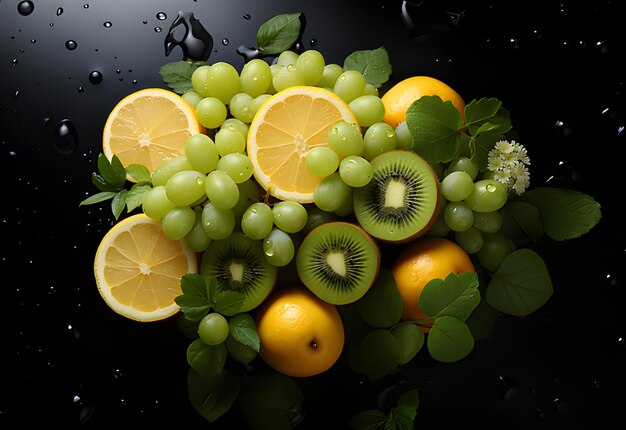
(138, 269)
(149, 127)
(284, 128)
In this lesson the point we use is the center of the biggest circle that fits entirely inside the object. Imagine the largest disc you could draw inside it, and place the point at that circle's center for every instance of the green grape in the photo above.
(249, 192)
(330, 75)
(404, 140)
(278, 248)
(201, 153)
(221, 190)
(488, 195)
(255, 77)
(213, 329)
(488, 175)
(370, 90)
(217, 223)
(471, 240)
(284, 77)
(464, 164)
(458, 216)
(211, 112)
(356, 171)
(155, 203)
(200, 79)
(331, 193)
(237, 165)
(350, 85)
(456, 186)
(289, 216)
(178, 222)
(311, 64)
(197, 238)
(368, 110)
(229, 140)
(185, 187)
(410, 338)
(193, 98)
(257, 221)
(239, 125)
(239, 352)
(241, 107)
(257, 102)
(495, 247)
(286, 58)
(379, 138)
(223, 81)
(345, 139)
(321, 160)
(488, 222)
(316, 217)
(168, 169)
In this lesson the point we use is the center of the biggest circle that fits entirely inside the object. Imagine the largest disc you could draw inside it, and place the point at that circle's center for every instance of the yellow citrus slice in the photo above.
(138, 269)
(149, 127)
(284, 128)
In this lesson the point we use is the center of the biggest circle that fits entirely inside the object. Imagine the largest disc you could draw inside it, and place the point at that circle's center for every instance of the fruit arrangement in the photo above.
(290, 213)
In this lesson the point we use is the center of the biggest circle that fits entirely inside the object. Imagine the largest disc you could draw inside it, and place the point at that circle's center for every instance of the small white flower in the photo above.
(519, 170)
(505, 147)
(508, 161)
(495, 163)
(520, 185)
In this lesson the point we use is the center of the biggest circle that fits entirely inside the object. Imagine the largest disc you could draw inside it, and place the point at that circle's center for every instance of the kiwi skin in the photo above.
(376, 262)
(433, 217)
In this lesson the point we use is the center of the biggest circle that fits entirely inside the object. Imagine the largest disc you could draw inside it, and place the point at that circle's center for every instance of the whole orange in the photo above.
(421, 261)
(301, 335)
(399, 97)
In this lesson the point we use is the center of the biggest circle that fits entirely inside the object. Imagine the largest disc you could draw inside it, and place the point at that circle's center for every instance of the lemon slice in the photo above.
(149, 127)
(138, 269)
(284, 128)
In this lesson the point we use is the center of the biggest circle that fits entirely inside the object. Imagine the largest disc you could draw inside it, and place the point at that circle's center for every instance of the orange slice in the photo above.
(149, 127)
(284, 128)
(138, 269)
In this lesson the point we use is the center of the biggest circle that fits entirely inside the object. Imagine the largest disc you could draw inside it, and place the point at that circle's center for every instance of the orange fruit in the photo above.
(421, 261)
(399, 97)
(300, 334)
(149, 127)
(138, 269)
(284, 128)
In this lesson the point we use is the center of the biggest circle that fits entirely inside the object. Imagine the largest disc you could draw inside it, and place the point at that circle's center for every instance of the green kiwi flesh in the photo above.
(400, 202)
(338, 262)
(238, 264)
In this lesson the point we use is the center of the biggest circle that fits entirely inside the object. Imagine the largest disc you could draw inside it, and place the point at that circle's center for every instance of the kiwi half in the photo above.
(338, 262)
(400, 202)
(238, 264)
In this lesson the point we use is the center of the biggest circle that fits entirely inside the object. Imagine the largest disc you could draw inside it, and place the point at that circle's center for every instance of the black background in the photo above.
(69, 360)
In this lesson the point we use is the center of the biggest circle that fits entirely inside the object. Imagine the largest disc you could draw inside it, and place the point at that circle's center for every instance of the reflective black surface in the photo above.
(69, 360)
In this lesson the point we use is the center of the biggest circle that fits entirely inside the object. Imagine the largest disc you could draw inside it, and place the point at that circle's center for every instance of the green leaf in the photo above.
(403, 417)
(382, 305)
(482, 321)
(377, 354)
(435, 126)
(228, 302)
(138, 172)
(565, 214)
(409, 399)
(278, 34)
(97, 198)
(521, 285)
(483, 143)
(528, 218)
(478, 112)
(177, 75)
(134, 197)
(207, 360)
(212, 397)
(371, 419)
(195, 302)
(455, 296)
(372, 63)
(99, 182)
(118, 203)
(109, 173)
(449, 339)
(243, 330)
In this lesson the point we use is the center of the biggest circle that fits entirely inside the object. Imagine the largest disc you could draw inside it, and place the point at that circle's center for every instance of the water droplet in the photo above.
(33, 40)
(12, 153)
(65, 137)
(14, 62)
(313, 43)
(76, 399)
(81, 89)
(196, 42)
(71, 45)
(17, 93)
(107, 24)
(491, 188)
(158, 29)
(25, 8)
(514, 42)
(118, 71)
(134, 82)
(144, 21)
(246, 16)
(85, 6)
(161, 16)
(117, 373)
(95, 77)
(51, 24)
